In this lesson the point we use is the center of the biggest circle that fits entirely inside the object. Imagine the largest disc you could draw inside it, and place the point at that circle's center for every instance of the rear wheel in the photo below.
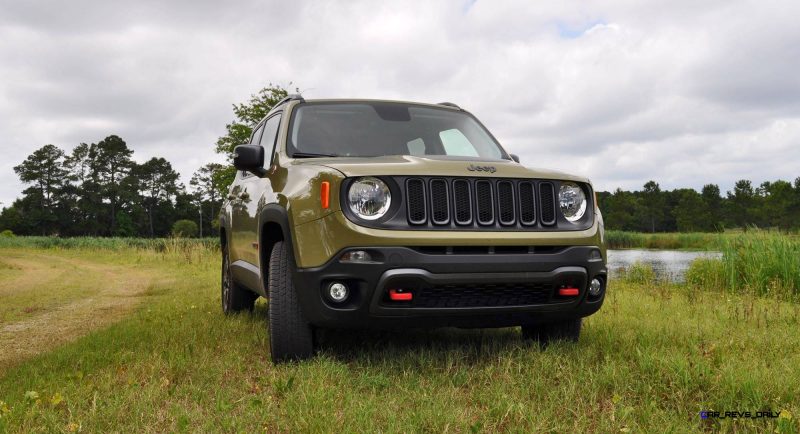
(565, 330)
(290, 335)
(234, 297)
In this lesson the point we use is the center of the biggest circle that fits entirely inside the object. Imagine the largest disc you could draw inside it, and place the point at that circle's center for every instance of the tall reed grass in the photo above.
(760, 263)
(667, 241)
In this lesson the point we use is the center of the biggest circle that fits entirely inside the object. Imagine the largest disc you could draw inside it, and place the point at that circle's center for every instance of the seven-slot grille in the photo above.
(481, 203)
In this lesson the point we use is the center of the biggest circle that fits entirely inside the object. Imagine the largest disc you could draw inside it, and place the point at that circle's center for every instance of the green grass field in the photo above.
(132, 339)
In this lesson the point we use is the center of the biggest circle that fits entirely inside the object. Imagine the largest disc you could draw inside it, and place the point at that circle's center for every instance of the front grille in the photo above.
(462, 202)
(483, 295)
(440, 202)
(505, 202)
(482, 204)
(485, 201)
(527, 207)
(415, 194)
(547, 197)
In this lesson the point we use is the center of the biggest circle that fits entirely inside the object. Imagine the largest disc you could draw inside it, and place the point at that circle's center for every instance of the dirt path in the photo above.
(52, 298)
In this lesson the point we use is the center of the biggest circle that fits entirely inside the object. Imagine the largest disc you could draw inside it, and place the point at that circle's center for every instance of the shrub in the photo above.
(7, 233)
(184, 229)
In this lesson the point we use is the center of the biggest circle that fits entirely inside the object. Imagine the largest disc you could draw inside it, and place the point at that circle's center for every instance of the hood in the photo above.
(435, 166)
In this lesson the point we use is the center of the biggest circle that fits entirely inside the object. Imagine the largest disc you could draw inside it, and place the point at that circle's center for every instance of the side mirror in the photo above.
(514, 157)
(249, 158)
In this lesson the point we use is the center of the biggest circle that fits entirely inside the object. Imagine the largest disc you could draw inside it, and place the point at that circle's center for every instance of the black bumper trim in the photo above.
(369, 281)
(405, 275)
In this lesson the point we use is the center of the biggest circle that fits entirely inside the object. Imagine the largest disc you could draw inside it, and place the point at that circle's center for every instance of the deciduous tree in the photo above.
(247, 115)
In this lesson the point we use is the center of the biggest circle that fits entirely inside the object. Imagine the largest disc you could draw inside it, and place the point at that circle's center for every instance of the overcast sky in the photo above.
(684, 92)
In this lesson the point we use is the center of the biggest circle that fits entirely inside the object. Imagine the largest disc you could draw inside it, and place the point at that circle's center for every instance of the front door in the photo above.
(255, 191)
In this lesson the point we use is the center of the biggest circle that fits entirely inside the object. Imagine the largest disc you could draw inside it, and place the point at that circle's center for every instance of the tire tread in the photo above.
(290, 335)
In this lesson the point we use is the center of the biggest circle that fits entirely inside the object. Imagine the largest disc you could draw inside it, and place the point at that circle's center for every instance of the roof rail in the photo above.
(291, 97)
(449, 104)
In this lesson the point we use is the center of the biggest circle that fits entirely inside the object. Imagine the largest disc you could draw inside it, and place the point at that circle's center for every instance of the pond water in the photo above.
(668, 264)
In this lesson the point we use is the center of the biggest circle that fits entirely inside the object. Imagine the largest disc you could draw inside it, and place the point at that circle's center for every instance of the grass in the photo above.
(48, 299)
(762, 264)
(649, 361)
(666, 241)
(109, 243)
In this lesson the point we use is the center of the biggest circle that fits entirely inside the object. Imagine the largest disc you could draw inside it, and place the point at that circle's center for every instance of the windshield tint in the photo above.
(367, 129)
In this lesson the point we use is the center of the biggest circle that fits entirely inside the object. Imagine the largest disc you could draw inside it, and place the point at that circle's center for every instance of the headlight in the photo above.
(572, 201)
(369, 198)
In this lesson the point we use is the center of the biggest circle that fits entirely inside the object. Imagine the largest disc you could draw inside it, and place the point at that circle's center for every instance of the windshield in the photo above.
(371, 129)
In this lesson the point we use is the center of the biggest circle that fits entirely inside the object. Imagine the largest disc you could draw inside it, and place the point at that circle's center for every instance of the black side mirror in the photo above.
(249, 158)
(514, 157)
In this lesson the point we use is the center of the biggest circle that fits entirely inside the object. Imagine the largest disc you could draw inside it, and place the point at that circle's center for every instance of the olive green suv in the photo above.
(366, 214)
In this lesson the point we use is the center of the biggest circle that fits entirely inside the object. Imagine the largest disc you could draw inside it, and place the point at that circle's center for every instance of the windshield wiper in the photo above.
(310, 155)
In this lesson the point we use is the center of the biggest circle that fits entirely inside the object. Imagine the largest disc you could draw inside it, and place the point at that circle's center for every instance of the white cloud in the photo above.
(682, 92)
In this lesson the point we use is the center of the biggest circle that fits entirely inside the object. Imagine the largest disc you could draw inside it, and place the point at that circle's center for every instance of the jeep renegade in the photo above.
(364, 213)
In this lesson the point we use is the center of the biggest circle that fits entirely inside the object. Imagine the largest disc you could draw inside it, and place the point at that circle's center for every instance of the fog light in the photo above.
(356, 256)
(338, 292)
(594, 287)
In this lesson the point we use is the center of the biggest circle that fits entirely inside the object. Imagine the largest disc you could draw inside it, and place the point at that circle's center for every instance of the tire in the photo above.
(290, 335)
(234, 298)
(566, 331)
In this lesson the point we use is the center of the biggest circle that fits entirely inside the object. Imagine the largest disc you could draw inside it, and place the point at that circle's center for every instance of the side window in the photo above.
(456, 143)
(257, 135)
(269, 137)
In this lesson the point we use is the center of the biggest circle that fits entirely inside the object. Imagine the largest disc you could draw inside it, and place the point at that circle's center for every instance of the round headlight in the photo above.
(572, 201)
(369, 198)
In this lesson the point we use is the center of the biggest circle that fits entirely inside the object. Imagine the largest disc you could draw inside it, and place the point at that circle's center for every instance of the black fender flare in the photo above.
(273, 213)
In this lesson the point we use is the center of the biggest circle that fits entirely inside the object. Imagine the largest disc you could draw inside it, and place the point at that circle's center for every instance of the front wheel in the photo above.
(290, 335)
(565, 330)
(234, 297)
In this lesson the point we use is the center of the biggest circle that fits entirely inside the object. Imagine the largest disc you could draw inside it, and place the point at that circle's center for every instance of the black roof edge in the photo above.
(449, 104)
(291, 97)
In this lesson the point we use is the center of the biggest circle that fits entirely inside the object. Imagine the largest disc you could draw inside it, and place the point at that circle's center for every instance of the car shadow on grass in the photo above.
(351, 345)
(376, 345)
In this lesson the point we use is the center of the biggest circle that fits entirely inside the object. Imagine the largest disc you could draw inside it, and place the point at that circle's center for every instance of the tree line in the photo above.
(98, 189)
(769, 205)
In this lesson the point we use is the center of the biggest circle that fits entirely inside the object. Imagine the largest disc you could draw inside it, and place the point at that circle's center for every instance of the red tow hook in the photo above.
(400, 295)
(568, 292)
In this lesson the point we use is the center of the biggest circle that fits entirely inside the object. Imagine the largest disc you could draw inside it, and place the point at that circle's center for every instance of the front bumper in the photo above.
(450, 289)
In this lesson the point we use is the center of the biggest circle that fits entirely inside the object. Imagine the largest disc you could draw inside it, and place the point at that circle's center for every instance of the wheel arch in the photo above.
(273, 226)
